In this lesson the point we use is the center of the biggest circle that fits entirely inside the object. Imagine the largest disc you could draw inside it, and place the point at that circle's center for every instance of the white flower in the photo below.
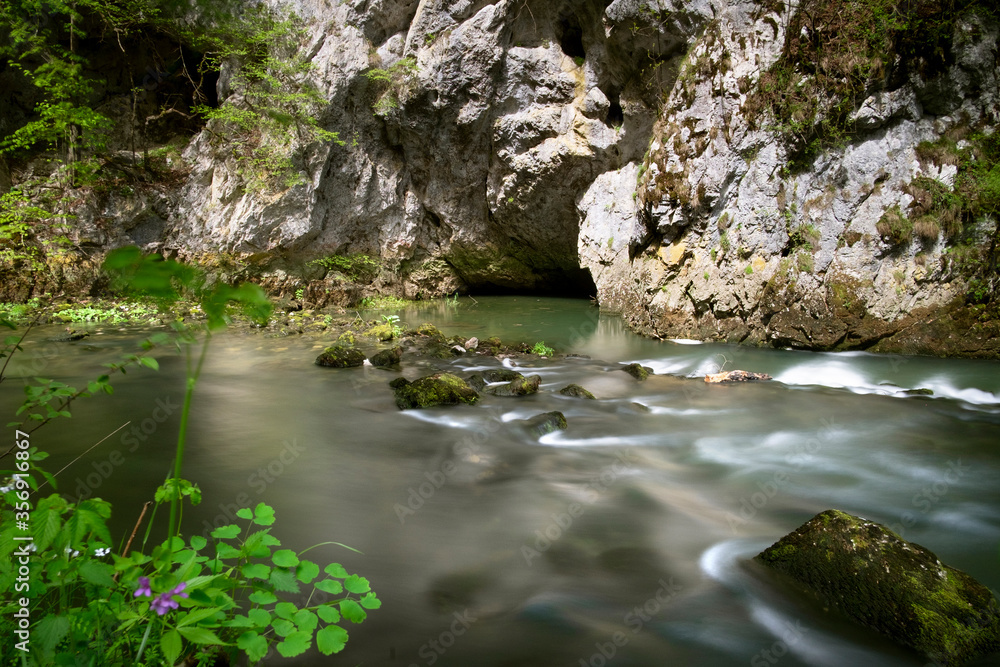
(72, 553)
(103, 551)
(6, 489)
(32, 547)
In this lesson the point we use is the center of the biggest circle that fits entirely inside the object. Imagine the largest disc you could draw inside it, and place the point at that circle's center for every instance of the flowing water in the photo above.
(624, 540)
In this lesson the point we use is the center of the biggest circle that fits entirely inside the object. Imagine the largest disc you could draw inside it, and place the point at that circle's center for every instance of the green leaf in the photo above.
(239, 621)
(45, 526)
(263, 597)
(226, 550)
(171, 645)
(352, 611)
(51, 631)
(285, 558)
(197, 635)
(336, 570)
(285, 610)
(245, 513)
(97, 573)
(306, 620)
(256, 571)
(260, 617)
(306, 571)
(197, 615)
(253, 644)
(295, 644)
(369, 601)
(226, 532)
(356, 584)
(198, 542)
(150, 362)
(331, 639)
(328, 613)
(331, 586)
(283, 626)
(263, 515)
(284, 580)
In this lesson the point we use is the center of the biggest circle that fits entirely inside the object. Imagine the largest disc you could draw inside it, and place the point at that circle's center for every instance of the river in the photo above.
(623, 540)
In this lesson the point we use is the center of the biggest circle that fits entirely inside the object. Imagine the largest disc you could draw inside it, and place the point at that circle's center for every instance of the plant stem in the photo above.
(173, 527)
(145, 638)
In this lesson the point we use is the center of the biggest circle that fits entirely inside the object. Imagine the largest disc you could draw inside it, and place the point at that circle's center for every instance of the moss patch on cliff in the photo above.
(836, 54)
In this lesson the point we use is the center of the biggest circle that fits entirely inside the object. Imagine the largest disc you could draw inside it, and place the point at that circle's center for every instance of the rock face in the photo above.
(892, 586)
(434, 390)
(623, 147)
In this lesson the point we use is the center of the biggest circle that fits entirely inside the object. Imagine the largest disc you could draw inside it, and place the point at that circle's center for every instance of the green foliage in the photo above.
(190, 598)
(356, 268)
(394, 328)
(894, 227)
(805, 236)
(383, 302)
(391, 86)
(542, 349)
(273, 107)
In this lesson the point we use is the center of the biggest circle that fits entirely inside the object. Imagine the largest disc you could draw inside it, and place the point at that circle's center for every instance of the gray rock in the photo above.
(501, 375)
(544, 423)
(387, 358)
(576, 391)
(521, 386)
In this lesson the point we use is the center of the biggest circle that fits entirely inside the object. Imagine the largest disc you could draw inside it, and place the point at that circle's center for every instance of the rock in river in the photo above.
(339, 356)
(545, 423)
(638, 371)
(433, 390)
(520, 386)
(576, 391)
(897, 588)
(735, 376)
(387, 358)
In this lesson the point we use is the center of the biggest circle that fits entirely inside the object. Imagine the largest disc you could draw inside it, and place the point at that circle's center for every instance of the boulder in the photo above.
(501, 375)
(340, 356)
(638, 371)
(476, 381)
(428, 329)
(399, 382)
(576, 391)
(545, 423)
(387, 358)
(735, 376)
(434, 390)
(381, 332)
(522, 386)
(894, 587)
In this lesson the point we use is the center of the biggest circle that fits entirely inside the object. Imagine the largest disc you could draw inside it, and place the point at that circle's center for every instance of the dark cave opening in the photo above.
(571, 37)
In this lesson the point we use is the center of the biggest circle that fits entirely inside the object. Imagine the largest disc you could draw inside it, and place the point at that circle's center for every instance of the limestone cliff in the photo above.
(702, 165)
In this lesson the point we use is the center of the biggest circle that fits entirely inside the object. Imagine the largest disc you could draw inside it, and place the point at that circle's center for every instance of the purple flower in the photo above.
(165, 602)
(144, 588)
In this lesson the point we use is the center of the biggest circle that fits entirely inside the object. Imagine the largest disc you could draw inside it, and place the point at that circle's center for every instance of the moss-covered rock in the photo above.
(476, 381)
(387, 358)
(520, 386)
(428, 329)
(501, 375)
(545, 423)
(897, 588)
(347, 339)
(638, 371)
(576, 391)
(433, 390)
(399, 382)
(381, 332)
(339, 356)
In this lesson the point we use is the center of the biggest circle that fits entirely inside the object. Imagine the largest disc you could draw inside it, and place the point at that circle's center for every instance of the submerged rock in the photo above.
(387, 358)
(399, 382)
(339, 356)
(897, 588)
(576, 391)
(433, 390)
(521, 386)
(638, 371)
(545, 423)
(476, 381)
(735, 376)
(501, 375)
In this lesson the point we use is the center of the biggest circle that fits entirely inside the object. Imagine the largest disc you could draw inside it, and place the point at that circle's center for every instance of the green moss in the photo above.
(427, 329)
(338, 356)
(381, 332)
(434, 390)
(900, 589)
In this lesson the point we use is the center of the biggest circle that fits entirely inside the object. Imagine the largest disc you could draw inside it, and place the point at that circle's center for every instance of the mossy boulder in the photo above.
(428, 329)
(501, 375)
(576, 391)
(638, 371)
(476, 381)
(545, 423)
(347, 339)
(897, 588)
(399, 382)
(434, 390)
(340, 356)
(387, 358)
(521, 386)
(381, 332)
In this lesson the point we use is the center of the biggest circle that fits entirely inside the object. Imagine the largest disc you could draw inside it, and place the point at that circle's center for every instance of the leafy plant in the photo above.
(541, 349)
(183, 598)
(356, 268)
(393, 322)
(392, 85)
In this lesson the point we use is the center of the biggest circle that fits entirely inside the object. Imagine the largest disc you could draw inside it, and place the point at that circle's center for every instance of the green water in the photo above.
(489, 546)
